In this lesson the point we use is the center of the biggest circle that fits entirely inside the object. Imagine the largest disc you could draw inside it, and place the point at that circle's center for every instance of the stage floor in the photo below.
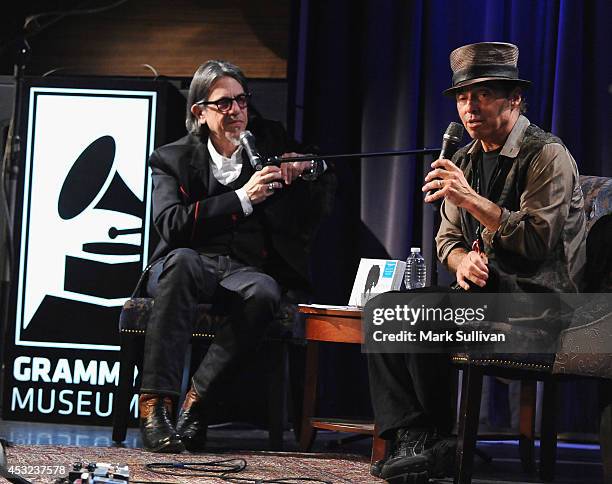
(575, 463)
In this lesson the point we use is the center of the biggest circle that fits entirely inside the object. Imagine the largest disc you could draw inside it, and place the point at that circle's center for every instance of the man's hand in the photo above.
(294, 169)
(446, 180)
(473, 267)
(449, 183)
(263, 183)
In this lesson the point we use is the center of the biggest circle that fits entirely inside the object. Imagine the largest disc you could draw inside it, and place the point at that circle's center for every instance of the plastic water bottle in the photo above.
(416, 269)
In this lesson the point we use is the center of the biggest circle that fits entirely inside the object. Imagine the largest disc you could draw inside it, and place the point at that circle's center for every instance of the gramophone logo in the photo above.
(85, 214)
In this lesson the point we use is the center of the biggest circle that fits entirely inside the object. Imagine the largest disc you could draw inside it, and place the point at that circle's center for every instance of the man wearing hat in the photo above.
(512, 220)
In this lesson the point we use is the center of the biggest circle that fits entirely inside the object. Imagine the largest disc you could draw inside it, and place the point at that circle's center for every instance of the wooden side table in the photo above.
(335, 325)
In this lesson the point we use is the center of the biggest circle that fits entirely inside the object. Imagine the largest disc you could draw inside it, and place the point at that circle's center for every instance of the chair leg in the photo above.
(605, 428)
(277, 392)
(129, 354)
(605, 442)
(307, 431)
(548, 437)
(527, 424)
(471, 393)
(379, 447)
(297, 371)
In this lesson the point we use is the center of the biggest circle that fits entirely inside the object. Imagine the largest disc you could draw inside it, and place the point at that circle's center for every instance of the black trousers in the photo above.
(178, 283)
(411, 390)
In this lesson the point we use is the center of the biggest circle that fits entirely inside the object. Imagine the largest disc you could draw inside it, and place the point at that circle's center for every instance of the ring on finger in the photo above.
(439, 184)
(271, 187)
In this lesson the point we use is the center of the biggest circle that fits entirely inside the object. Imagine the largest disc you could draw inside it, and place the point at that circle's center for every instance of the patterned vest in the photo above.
(516, 273)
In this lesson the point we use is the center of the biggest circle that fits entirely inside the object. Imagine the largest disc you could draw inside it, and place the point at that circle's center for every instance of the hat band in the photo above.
(489, 70)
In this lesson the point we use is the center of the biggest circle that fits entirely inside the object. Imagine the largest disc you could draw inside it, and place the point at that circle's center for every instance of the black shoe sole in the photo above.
(410, 478)
(168, 448)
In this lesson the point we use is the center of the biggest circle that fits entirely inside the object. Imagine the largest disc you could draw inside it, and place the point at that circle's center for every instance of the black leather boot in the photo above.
(417, 456)
(158, 433)
(192, 425)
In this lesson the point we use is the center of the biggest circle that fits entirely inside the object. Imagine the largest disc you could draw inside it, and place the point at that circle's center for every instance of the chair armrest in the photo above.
(585, 348)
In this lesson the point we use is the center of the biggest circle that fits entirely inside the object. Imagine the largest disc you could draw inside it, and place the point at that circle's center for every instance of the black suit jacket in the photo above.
(184, 213)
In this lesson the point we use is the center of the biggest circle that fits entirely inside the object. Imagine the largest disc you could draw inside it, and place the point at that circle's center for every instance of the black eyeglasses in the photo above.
(225, 103)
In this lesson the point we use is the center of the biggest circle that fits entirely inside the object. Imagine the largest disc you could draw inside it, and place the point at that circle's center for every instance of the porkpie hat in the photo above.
(484, 61)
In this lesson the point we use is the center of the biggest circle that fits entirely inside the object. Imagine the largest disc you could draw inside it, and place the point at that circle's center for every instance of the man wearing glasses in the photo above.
(230, 236)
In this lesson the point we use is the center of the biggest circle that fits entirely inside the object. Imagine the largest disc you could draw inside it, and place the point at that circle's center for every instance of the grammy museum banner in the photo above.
(81, 243)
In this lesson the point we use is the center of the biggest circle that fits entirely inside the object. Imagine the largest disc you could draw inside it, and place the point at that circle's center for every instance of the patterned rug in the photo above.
(46, 463)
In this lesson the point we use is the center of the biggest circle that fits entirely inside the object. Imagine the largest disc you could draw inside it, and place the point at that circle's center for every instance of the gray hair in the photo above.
(201, 84)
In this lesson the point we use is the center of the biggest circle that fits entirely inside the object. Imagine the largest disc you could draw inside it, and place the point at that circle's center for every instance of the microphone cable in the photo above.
(220, 469)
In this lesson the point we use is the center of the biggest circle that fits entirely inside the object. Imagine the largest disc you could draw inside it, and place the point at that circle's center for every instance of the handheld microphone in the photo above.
(450, 142)
(247, 140)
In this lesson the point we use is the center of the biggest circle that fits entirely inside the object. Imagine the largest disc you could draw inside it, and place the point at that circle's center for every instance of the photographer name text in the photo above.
(459, 336)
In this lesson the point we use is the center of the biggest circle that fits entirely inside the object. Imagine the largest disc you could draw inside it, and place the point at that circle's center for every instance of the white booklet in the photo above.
(376, 276)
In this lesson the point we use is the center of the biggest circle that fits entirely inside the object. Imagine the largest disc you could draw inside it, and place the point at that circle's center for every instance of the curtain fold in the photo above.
(374, 77)
(375, 71)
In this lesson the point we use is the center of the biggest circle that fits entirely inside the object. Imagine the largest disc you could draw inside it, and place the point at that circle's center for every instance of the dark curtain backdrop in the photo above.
(372, 76)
